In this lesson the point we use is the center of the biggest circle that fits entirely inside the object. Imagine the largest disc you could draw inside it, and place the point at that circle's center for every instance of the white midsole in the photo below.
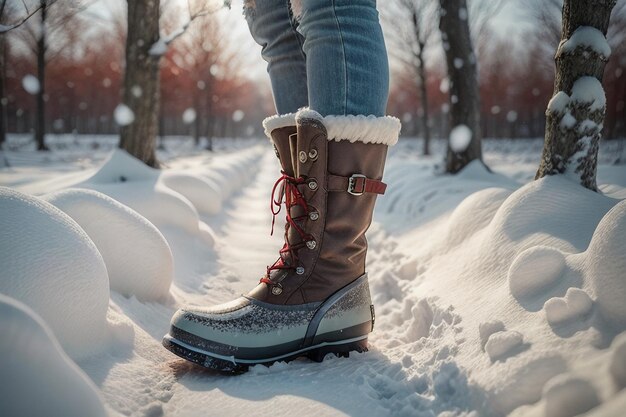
(255, 361)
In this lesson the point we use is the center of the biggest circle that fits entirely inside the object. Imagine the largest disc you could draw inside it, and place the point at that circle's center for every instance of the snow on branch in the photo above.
(159, 48)
(589, 91)
(586, 37)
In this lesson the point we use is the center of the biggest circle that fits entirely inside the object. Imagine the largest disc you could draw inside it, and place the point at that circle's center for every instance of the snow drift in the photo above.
(141, 263)
(51, 265)
(38, 377)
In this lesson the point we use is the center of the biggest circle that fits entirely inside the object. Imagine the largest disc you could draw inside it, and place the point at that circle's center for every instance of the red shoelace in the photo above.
(289, 192)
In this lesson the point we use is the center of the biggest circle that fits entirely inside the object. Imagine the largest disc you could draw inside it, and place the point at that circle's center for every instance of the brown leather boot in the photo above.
(315, 298)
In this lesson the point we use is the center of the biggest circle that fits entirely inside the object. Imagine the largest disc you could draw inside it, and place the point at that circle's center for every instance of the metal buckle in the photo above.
(352, 184)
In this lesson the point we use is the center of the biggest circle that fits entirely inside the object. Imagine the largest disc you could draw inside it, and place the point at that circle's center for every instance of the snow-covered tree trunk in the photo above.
(464, 145)
(141, 81)
(575, 115)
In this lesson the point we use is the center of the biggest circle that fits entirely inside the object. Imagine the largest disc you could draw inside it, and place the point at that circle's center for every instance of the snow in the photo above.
(159, 47)
(139, 265)
(50, 264)
(495, 294)
(189, 115)
(499, 344)
(123, 115)
(535, 269)
(574, 305)
(559, 102)
(31, 84)
(238, 115)
(511, 116)
(569, 396)
(617, 365)
(586, 37)
(588, 90)
(458, 63)
(568, 121)
(606, 262)
(460, 138)
(39, 379)
(444, 85)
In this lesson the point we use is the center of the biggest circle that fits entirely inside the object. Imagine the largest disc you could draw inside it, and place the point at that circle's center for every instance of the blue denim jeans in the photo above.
(326, 54)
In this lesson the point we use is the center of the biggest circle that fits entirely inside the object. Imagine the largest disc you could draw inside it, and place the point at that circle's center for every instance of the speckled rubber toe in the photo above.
(246, 331)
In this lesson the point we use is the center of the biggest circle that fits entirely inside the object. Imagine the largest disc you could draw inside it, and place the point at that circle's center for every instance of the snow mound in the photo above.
(39, 378)
(50, 264)
(422, 320)
(138, 259)
(575, 304)
(569, 396)
(606, 263)
(617, 365)
(534, 270)
(488, 328)
(480, 207)
(136, 185)
(120, 167)
(203, 193)
(500, 344)
(542, 213)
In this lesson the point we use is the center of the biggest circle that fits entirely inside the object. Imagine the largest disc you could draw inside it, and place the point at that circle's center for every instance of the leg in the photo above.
(347, 66)
(271, 27)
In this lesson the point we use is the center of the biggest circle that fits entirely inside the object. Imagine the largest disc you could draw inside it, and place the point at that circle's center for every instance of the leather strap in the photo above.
(356, 184)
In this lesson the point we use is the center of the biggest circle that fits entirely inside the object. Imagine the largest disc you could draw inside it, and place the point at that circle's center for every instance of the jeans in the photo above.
(330, 55)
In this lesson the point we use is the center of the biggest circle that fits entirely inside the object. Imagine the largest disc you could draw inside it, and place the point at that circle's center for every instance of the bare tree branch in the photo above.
(6, 28)
(159, 48)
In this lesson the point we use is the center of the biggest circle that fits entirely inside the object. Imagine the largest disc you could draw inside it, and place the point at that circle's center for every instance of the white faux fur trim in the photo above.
(296, 9)
(277, 121)
(361, 128)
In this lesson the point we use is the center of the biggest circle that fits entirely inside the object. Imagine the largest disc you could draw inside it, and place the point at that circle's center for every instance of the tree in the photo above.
(141, 97)
(141, 82)
(575, 114)
(464, 145)
(410, 40)
(50, 19)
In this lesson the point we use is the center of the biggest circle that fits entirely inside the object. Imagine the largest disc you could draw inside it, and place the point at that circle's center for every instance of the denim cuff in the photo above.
(356, 128)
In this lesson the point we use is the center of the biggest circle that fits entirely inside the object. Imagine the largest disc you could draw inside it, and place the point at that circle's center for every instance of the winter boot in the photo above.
(315, 298)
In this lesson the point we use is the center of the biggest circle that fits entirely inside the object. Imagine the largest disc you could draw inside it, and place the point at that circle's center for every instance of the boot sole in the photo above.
(232, 365)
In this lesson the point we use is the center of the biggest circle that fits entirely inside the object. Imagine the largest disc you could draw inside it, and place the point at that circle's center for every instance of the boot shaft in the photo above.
(330, 236)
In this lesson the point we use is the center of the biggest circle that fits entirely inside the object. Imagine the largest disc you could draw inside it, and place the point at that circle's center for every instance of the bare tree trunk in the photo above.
(40, 122)
(576, 112)
(141, 81)
(464, 96)
(424, 100)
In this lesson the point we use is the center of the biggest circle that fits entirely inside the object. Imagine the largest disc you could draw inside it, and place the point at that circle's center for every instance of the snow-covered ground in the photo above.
(495, 294)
